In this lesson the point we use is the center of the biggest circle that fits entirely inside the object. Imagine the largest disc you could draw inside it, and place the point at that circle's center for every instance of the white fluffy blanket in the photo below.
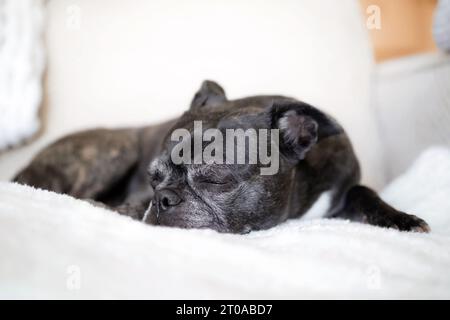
(54, 246)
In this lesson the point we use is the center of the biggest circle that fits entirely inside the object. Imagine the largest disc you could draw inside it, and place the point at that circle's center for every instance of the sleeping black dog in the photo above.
(134, 172)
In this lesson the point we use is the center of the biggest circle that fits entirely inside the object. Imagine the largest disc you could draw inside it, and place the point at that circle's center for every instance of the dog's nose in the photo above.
(167, 198)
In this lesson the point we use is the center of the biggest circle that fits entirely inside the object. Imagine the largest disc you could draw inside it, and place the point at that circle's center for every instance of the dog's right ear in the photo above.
(210, 94)
(301, 127)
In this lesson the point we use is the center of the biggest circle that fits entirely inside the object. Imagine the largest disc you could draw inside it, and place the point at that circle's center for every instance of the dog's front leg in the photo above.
(133, 207)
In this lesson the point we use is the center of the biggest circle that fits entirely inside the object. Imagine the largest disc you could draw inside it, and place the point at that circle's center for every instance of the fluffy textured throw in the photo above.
(54, 246)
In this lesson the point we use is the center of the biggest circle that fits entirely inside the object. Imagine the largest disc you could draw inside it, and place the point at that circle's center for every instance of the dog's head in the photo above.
(230, 165)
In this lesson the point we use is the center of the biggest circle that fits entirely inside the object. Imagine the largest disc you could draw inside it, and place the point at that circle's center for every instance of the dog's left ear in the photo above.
(301, 127)
(210, 94)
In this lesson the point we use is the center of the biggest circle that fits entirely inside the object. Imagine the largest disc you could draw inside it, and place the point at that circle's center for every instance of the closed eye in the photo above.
(208, 180)
(211, 176)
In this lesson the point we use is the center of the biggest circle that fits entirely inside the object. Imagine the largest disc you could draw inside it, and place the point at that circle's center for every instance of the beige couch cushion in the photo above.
(115, 63)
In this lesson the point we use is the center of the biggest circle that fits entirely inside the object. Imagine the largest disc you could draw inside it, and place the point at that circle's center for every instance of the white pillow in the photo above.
(441, 25)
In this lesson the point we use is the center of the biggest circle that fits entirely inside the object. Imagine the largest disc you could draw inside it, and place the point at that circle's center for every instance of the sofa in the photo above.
(117, 63)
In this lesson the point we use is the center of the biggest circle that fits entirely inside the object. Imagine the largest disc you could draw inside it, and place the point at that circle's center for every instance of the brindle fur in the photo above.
(109, 167)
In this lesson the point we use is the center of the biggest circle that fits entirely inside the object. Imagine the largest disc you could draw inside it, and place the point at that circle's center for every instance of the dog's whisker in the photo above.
(147, 212)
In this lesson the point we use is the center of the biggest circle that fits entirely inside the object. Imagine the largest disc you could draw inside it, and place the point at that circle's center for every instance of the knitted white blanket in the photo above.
(21, 67)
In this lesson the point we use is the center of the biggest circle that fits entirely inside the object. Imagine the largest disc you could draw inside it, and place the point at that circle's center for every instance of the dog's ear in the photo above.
(210, 94)
(301, 126)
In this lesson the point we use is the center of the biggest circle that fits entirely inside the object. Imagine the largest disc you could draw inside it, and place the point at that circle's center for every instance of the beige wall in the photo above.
(405, 27)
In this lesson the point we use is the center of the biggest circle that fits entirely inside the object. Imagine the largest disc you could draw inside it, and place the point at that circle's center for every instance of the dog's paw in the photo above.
(403, 222)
